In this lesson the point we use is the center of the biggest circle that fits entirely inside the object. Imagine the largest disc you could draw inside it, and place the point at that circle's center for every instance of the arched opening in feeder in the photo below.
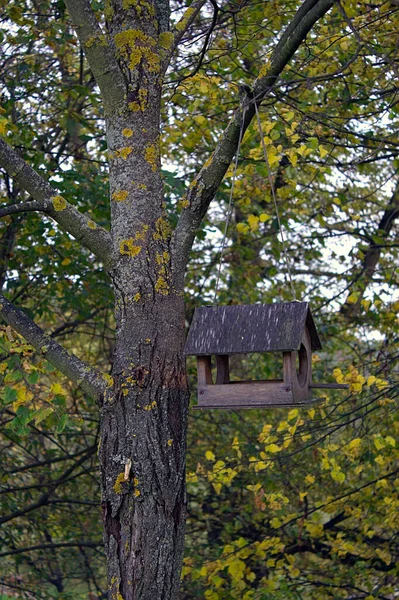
(302, 366)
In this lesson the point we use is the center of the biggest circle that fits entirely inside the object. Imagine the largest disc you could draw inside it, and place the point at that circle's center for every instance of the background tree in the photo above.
(329, 118)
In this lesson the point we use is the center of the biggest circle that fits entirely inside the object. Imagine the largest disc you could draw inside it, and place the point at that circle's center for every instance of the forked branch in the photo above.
(70, 365)
(99, 54)
(203, 187)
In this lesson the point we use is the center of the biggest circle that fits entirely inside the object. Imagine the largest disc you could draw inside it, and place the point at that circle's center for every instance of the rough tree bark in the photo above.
(144, 407)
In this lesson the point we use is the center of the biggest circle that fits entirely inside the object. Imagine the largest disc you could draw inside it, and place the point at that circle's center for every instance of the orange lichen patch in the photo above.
(137, 297)
(170, 442)
(120, 195)
(127, 132)
(142, 186)
(128, 248)
(91, 224)
(136, 493)
(134, 106)
(59, 203)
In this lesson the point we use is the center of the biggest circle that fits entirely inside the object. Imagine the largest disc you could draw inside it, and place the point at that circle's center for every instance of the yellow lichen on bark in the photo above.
(162, 230)
(166, 39)
(59, 203)
(127, 132)
(101, 40)
(91, 224)
(182, 24)
(120, 195)
(135, 46)
(151, 156)
(139, 6)
(117, 487)
(162, 286)
(129, 248)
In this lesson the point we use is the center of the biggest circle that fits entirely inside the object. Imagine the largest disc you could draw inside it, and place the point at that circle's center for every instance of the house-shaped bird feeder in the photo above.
(222, 331)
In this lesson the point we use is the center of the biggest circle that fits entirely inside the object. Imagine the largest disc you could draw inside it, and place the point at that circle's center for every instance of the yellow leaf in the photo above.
(273, 448)
(310, 479)
(322, 151)
(352, 299)
(209, 455)
(264, 217)
(314, 529)
(379, 443)
(371, 380)
(66, 261)
(217, 487)
(292, 414)
(253, 222)
(389, 440)
(338, 476)
(57, 389)
(237, 569)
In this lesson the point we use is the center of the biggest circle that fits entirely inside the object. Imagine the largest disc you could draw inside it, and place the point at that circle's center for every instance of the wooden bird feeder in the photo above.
(225, 330)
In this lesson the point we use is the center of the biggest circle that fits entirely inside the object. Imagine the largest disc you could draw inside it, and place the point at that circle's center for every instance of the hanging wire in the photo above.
(230, 207)
(281, 230)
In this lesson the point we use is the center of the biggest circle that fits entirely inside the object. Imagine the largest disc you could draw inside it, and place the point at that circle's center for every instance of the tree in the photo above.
(146, 245)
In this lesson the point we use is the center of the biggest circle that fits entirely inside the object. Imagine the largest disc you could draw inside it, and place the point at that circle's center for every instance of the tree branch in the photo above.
(372, 255)
(186, 21)
(207, 181)
(70, 365)
(100, 56)
(12, 209)
(76, 544)
(93, 237)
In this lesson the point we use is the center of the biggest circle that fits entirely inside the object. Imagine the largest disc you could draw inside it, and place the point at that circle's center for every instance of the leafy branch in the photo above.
(47, 199)
(70, 365)
(203, 187)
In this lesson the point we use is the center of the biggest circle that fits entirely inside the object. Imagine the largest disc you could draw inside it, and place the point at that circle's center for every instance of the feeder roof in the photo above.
(240, 329)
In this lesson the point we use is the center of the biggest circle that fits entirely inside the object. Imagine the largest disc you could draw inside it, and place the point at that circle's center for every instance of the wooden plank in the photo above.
(204, 370)
(240, 329)
(245, 394)
(222, 369)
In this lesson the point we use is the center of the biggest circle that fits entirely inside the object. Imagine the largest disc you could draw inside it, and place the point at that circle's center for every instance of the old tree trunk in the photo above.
(144, 404)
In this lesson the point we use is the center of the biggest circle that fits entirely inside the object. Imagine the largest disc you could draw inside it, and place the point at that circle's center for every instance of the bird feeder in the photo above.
(226, 330)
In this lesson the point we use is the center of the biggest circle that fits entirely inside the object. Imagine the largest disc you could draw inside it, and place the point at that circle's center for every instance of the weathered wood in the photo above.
(245, 394)
(254, 328)
(204, 370)
(222, 369)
